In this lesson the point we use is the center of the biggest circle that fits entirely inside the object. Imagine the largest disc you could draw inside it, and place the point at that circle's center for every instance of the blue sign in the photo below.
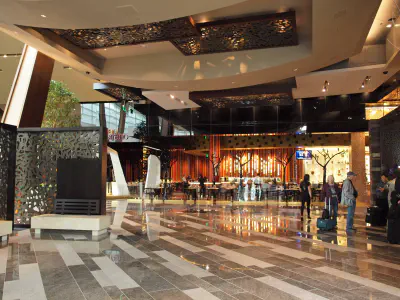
(303, 154)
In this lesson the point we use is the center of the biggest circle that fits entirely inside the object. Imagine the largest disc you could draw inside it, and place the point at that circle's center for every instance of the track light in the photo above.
(325, 86)
(365, 82)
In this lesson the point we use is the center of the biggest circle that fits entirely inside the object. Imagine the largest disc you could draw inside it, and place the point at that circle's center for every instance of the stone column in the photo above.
(357, 165)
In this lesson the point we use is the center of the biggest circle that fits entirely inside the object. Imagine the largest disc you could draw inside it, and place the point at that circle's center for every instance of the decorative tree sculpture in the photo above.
(327, 157)
(284, 160)
(216, 162)
(238, 158)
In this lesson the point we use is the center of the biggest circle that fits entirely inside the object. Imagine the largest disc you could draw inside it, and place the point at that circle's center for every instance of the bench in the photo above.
(97, 224)
(5, 230)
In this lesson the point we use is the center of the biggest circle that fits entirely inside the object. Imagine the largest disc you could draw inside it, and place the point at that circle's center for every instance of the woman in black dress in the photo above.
(305, 194)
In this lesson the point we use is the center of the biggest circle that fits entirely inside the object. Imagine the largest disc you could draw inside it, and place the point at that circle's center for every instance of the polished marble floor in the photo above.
(180, 251)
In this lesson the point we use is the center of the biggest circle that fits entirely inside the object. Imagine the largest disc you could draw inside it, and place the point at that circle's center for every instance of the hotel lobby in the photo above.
(181, 149)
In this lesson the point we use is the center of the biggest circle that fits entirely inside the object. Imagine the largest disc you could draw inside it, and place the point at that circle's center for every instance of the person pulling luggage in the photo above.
(331, 191)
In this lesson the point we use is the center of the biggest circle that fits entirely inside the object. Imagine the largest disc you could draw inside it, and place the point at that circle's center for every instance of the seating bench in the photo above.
(98, 224)
(5, 230)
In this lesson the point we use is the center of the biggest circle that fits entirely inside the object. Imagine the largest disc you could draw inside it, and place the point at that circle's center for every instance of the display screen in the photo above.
(303, 154)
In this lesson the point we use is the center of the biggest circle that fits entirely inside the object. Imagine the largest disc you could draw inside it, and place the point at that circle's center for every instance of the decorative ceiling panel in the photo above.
(245, 101)
(268, 31)
(120, 93)
(129, 35)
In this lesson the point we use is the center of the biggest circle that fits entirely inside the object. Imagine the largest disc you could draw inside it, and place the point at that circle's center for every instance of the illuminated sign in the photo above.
(303, 154)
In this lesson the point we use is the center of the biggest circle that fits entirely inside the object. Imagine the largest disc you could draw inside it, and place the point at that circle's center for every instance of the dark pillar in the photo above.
(102, 115)
(122, 118)
(375, 155)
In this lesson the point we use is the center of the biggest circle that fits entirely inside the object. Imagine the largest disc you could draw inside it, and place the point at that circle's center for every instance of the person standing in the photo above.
(382, 191)
(331, 192)
(392, 185)
(349, 199)
(202, 181)
(305, 194)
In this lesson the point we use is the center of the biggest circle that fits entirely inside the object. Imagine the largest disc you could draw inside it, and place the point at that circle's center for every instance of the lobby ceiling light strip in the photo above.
(6, 55)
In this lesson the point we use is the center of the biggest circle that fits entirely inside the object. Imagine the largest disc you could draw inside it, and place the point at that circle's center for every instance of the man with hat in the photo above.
(349, 197)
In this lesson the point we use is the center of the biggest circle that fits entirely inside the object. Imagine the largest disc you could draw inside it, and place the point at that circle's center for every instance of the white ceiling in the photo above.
(163, 99)
(74, 14)
(329, 31)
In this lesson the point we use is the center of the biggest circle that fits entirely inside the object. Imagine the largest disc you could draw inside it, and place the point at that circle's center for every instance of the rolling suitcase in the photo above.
(375, 216)
(326, 222)
(393, 231)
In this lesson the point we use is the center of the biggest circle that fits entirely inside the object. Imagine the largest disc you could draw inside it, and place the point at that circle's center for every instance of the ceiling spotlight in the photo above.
(303, 128)
(325, 86)
(172, 96)
(365, 82)
(5, 55)
(105, 49)
(182, 101)
(389, 25)
(295, 70)
(43, 16)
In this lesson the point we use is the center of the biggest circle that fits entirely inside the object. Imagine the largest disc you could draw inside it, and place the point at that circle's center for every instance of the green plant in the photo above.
(61, 107)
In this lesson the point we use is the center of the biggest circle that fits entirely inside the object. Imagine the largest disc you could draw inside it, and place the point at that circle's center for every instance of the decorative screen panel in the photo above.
(7, 169)
(36, 167)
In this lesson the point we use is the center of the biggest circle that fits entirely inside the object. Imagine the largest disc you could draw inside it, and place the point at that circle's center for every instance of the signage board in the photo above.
(303, 154)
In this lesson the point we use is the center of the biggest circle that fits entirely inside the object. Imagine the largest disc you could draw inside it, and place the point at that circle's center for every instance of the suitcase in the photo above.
(375, 216)
(393, 231)
(326, 224)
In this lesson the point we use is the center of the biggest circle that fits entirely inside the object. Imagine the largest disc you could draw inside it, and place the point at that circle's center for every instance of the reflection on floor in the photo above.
(179, 251)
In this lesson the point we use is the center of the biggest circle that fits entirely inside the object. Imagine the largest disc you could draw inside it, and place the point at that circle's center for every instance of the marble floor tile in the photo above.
(3, 259)
(200, 294)
(239, 258)
(116, 275)
(182, 264)
(382, 263)
(68, 291)
(128, 248)
(288, 251)
(196, 225)
(136, 294)
(174, 294)
(329, 245)
(268, 235)
(70, 257)
(261, 290)
(223, 285)
(181, 244)
(362, 281)
(102, 278)
(226, 239)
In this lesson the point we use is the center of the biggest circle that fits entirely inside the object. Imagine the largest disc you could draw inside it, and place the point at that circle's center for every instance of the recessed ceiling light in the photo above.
(295, 70)
(182, 101)
(233, 82)
(324, 90)
(105, 49)
(43, 16)
(5, 55)
(389, 25)
(172, 96)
